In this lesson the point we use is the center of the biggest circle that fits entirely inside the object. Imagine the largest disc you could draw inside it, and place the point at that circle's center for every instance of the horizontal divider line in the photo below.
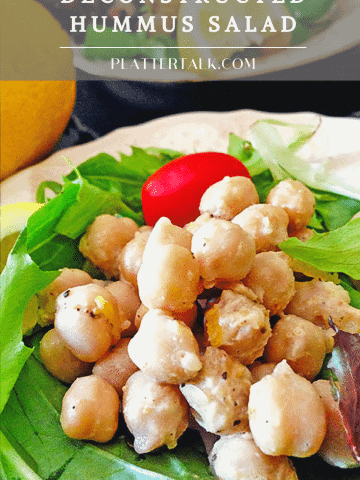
(187, 47)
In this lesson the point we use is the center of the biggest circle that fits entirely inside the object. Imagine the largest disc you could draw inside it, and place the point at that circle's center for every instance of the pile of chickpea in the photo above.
(207, 322)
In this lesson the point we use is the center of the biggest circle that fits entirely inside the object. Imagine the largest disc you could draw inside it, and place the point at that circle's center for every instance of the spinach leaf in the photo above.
(31, 425)
(31, 421)
(12, 465)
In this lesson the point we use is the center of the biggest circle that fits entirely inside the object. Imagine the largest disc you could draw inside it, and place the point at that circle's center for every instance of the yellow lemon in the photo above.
(13, 220)
(222, 29)
(38, 85)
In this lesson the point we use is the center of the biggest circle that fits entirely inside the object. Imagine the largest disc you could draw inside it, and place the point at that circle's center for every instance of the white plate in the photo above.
(340, 35)
(336, 137)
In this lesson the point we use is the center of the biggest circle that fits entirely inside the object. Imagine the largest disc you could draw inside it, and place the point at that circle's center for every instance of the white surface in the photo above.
(338, 138)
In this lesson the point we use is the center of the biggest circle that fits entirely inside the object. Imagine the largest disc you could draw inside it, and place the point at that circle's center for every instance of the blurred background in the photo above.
(327, 86)
(36, 114)
(106, 105)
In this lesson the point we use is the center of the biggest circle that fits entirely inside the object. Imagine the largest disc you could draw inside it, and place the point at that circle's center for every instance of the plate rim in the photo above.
(22, 185)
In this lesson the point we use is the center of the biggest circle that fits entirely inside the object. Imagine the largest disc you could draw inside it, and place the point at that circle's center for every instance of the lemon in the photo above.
(202, 44)
(38, 85)
(13, 220)
(34, 114)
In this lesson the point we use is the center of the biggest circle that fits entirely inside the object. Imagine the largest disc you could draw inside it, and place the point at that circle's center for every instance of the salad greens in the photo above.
(335, 251)
(33, 445)
(20, 280)
(283, 159)
(332, 210)
(344, 363)
(50, 240)
(30, 422)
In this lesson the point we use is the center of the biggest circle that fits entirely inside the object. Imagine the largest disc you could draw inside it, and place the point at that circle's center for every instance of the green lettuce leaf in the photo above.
(50, 241)
(281, 157)
(335, 251)
(332, 210)
(19, 282)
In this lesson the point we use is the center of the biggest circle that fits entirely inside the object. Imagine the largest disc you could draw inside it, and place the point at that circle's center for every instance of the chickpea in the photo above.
(296, 199)
(116, 366)
(224, 251)
(316, 301)
(88, 321)
(219, 394)
(187, 317)
(265, 223)
(131, 257)
(165, 348)
(286, 414)
(104, 241)
(335, 448)
(301, 343)
(140, 314)
(90, 410)
(68, 278)
(145, 228)
(237, 457)
(155, 413)
(198, 222)
(230, 196)
(258, 370)
(170, 279)
(128, 302)
(304, 234)
(58, 359)
(165, 233)
(239, 325)
(272, 279)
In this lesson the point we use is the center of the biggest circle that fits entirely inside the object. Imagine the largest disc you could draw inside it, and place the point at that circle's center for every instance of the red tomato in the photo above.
(175, 190)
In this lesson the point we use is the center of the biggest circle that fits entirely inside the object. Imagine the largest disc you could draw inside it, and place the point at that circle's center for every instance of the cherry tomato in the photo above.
(175, 190)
